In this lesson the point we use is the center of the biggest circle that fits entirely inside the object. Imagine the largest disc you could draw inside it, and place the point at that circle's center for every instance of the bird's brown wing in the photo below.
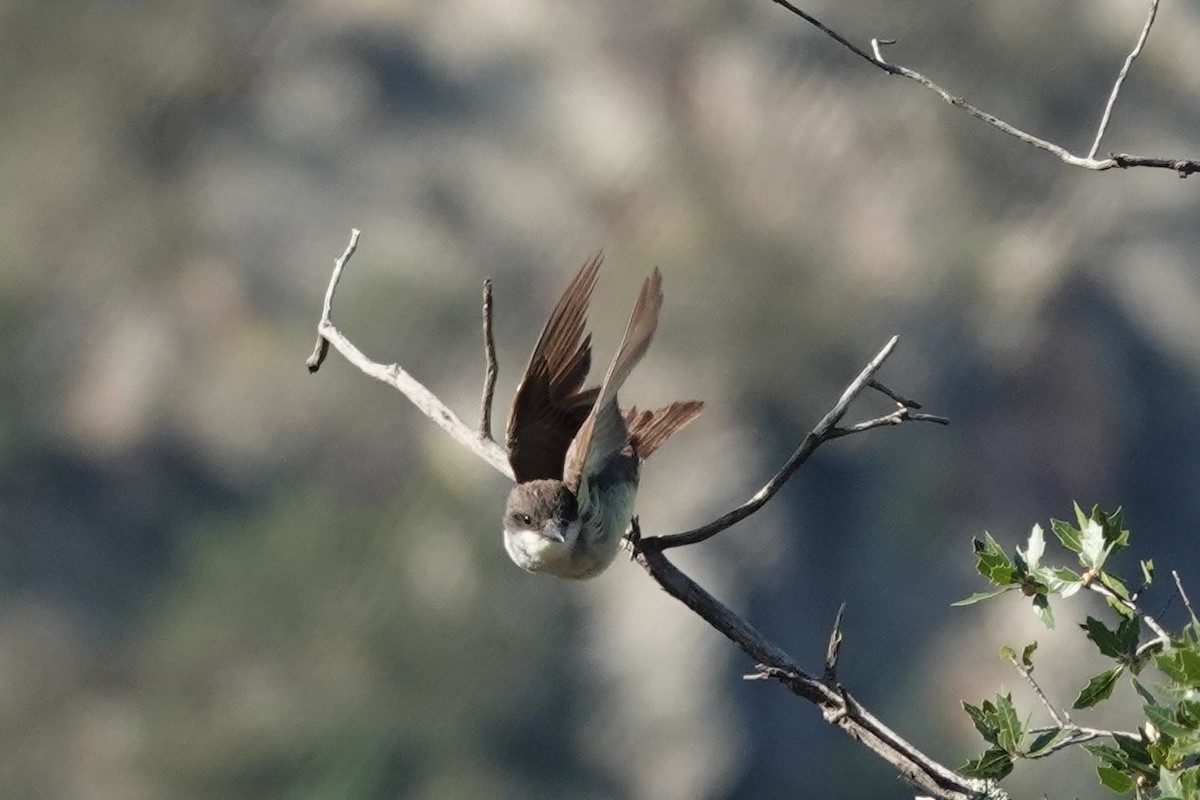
(604, 434)
(550, 405)
(649, 429)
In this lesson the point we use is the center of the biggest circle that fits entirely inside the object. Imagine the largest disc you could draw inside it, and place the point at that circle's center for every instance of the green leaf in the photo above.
(1099, 688)
(1062, 580)
(1045, 740)
(1127, 636)
(1181, 665)
(1145, 693)
(1034, 549)
(992, 562)
(1041, 607)
(1106, 641)
(1116, 538)
(992, 765)
(1081, 519)
(1165, 720)
(1092, 551)
(1108, 754)
(1114, 779)
(1066, 534)
(1009, 731)
(1148, 571)
(1027, 655)
(1114, 583)
(975, 598)
(986, 727)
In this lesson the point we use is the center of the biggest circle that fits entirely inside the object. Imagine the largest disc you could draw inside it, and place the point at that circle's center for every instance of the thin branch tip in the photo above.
(491, 368)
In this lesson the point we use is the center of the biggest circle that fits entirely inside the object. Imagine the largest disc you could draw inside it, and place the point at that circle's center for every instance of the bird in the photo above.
(575, 454)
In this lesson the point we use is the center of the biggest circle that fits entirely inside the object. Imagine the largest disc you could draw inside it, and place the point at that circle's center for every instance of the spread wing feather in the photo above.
(550, 404)
(604, 433)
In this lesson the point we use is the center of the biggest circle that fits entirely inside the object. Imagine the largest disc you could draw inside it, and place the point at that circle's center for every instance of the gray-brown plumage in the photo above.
(576, 456)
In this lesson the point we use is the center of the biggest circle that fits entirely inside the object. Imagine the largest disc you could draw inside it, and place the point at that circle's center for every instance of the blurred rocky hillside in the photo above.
(223, 578)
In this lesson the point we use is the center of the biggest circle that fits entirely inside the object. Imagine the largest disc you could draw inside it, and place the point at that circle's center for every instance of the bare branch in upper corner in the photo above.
(1187, 603)
(395, 376)
(1182, 166)
(824, 431)
(1116, 90)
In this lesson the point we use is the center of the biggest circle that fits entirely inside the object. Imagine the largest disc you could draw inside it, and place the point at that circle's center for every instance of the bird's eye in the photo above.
(525, 520)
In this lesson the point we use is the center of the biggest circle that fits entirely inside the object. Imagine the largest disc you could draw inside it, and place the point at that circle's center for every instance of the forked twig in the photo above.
(825, 430)
(1116, 90)
(395, 376)
(1182, 166)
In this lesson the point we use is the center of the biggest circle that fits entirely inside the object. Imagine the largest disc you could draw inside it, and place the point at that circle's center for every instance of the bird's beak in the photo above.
(553, 529)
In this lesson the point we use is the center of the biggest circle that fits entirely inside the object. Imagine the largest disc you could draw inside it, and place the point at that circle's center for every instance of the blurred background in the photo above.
(223, 578)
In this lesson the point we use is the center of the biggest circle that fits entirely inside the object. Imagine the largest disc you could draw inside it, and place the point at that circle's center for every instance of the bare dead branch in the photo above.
(825, 430)
(321, 349)
(1116, 90)
(900, 400)
(395, 376)
(837, 705)
(489, 377)
(834, 648)
(1186, 602)
(1182, 166)
(1063, 719)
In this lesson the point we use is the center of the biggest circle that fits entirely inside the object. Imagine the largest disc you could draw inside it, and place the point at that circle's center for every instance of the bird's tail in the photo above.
(649, 429)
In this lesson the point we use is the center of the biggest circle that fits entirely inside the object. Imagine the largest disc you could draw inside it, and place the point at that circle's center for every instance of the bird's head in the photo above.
(541, 524)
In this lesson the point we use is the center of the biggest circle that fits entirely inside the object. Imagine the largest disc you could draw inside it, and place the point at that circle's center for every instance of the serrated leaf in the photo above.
(1071, 581)
(1034, 549)
(1121, 607)
(992, 562)
(975, 598)
(992, 765)
(1045, 740)
(1151, 700)
(1106, 641)
(1114, 779)
(1108, 754)
(1114, 583)
(1066, 534)
(1081, 518)
(1091, 543)
(986, 727)
(1116, 538)
(1165, 721)
(1127, 636)
(1041, 607)
(1181, 665)
(1134, 749)
(1061, 580)
(1169, 785)
(1189, 783)
(1099, 688)
(1009, 733)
